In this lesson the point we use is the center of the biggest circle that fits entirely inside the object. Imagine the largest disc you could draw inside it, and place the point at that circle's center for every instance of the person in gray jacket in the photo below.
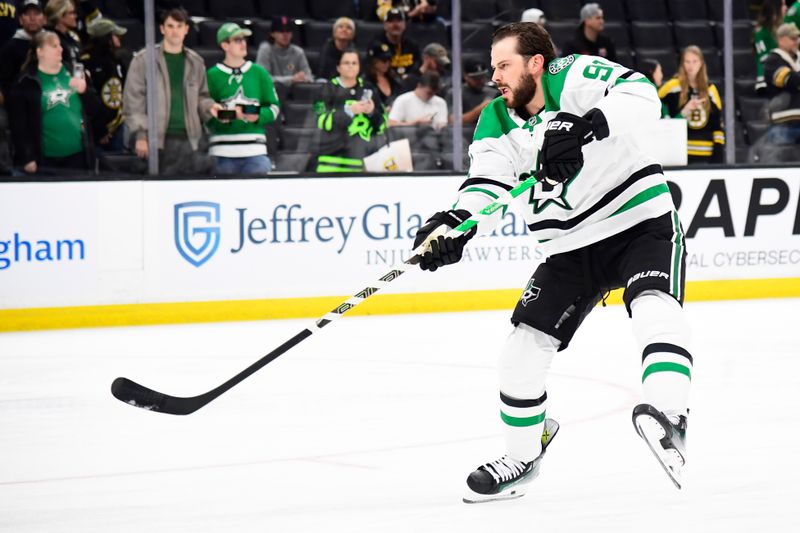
(184, 103)
(286, 62)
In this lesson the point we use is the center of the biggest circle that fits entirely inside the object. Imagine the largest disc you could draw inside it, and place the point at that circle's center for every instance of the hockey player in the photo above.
(602, 212)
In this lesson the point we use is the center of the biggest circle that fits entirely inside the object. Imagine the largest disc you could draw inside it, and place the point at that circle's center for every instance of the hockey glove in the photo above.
(562, 154)
(442, 250)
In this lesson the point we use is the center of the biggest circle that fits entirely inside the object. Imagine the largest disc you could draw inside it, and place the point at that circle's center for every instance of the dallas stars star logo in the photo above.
(543, 194)
(58, 96)
(239, 98)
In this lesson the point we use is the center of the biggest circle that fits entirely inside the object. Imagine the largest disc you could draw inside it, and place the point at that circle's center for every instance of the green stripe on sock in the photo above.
(522, 422)
(667, 367)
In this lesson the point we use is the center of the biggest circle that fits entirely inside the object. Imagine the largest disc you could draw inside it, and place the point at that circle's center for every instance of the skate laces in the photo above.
(505, 468)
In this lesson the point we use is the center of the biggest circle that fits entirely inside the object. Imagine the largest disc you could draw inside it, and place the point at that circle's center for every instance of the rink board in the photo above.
(143, 252)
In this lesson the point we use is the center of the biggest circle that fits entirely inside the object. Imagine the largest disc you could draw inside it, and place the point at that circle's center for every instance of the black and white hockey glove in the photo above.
(442, 250)
(562, 154)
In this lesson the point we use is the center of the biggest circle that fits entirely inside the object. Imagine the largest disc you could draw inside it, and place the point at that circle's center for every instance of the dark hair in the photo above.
(532, 39)
(430, 79)
(770, 16)
(648, 68)
(349, 50)
(177, 14)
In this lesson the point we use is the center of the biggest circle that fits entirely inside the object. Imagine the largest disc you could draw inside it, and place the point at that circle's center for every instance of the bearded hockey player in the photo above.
(604, 216)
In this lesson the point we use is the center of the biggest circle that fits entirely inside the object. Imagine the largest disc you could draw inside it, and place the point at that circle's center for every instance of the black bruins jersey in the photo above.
(706, 138)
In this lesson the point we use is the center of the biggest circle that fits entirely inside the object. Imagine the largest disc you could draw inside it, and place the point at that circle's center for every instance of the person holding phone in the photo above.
(49, 109)
(249, 102)
(349, 117)
(691, 96)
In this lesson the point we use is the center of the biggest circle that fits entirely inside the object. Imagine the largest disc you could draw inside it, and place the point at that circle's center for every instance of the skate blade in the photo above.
(652, 432)
(511, 494)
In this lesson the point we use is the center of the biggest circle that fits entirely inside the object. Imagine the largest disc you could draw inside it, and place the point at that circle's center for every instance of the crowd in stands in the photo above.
(258, 86)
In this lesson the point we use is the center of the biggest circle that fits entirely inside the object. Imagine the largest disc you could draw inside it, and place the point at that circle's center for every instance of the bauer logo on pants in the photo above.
(197, 231)
(531, 293)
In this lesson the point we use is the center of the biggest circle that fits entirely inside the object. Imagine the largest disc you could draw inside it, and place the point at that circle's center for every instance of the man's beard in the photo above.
(524, 93)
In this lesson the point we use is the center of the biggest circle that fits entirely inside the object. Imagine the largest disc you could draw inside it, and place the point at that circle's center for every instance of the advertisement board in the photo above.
(148, 242)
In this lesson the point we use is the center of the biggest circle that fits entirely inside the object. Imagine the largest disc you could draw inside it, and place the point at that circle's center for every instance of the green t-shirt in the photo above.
(62, 116)
(175, 67)
(793, 14)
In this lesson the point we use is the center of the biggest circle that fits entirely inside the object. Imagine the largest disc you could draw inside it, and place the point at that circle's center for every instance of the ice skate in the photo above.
(666, 437)
(506, 478)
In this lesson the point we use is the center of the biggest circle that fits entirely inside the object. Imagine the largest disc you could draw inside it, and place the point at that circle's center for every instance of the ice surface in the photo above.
(373, 426)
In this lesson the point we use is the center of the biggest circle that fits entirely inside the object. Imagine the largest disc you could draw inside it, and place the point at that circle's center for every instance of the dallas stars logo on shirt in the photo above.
(544, 194)
(58, 96)
(239, 98)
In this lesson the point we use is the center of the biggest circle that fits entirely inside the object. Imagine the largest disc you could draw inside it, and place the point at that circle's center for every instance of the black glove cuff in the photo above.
(599, 123)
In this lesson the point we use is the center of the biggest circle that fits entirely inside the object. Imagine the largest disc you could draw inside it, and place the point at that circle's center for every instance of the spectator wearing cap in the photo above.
(421, 107)
(15, 51)
(379, 72)
(415, 10)
(406, 57)
(184, 103)
(589, 38)
(434, 59)
(107, 75)
(782, 74)
(475, 93)
(534, 15)
(344, 32)
(286, 62)
(249, 102)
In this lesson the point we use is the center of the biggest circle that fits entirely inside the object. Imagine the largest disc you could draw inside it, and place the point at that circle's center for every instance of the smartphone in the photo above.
(226, 114)
(251, 109)
(79, 71)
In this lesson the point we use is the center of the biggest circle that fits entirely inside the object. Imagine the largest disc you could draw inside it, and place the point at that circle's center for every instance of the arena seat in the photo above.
(698, 33)
(227, 9)
(647, 10)
(685, 10)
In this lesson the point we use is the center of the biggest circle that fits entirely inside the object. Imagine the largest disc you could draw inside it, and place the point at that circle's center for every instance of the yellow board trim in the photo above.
(380, 304)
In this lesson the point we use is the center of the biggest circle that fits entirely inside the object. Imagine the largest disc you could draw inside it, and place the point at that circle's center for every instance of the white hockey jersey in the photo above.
(618, 186)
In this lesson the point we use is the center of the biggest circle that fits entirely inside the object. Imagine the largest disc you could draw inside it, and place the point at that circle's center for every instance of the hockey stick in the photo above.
(143, 397)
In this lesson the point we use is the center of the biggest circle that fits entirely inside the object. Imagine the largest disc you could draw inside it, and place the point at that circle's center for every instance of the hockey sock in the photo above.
(524, 362)
(663, 336)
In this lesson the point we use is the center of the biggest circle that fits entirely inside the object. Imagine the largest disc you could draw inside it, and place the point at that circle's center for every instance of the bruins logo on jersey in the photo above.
(698, 119)
(112, 93)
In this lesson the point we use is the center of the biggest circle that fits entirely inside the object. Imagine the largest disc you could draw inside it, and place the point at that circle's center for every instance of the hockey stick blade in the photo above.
(132, 393)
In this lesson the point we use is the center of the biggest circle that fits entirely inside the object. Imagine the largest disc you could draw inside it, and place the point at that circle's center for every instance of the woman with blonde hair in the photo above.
(344, 32)
(691, 96)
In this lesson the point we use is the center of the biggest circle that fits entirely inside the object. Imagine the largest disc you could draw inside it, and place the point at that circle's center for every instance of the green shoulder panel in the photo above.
(494, 121)
(555, 75)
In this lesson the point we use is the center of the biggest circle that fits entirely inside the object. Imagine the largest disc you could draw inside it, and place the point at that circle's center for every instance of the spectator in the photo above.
(421, 107)
(534, 15)
(62, 18)
(690, 95)
(475, 93)
(182, 96)
(589, 38)
(652, 70)
(49, 110)
(405, 52)
(344, 31)
(782, 73)
(15, 51)
(286, 62)
(379, 73)
(349, 116)
(769, 18)
(107, 75)
(415, 10)
(434, 59)
(238, 143)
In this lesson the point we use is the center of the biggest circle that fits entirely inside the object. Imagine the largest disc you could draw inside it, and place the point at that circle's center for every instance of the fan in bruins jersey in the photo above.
(690, 95)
